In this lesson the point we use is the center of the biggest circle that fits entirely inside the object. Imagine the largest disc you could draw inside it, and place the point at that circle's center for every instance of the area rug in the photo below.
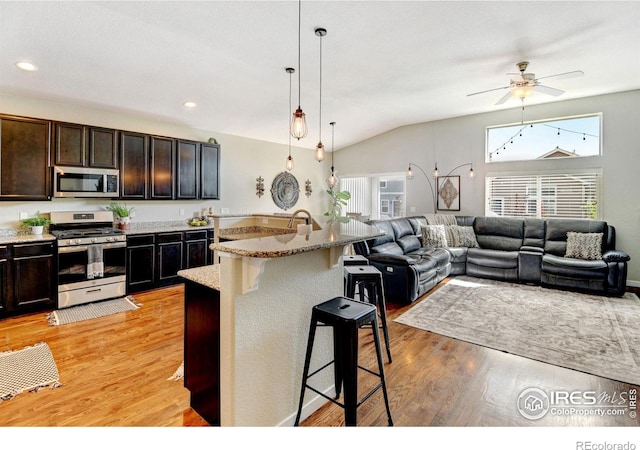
(92, 310)
(590, 333)
(29, 369)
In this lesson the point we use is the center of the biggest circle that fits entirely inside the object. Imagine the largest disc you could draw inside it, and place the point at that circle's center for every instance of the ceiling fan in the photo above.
(527, 83)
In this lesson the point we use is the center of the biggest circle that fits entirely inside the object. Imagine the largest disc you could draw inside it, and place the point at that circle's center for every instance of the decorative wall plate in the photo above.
(285, 190)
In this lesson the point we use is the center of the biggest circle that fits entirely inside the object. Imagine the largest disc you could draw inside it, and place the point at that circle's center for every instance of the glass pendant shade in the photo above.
(319, 153)
(299, 124)
(333, 181)
(409, 173)
(289, 165)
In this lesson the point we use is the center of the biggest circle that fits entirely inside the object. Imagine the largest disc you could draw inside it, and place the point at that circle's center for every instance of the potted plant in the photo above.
(122, 214)
(338, 200)
(36, 223)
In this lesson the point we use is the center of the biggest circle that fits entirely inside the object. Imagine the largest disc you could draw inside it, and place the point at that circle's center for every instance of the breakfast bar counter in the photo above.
(267, 288)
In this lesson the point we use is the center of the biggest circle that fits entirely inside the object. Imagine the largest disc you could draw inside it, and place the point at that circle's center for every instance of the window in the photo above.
(559, 195)
(569, 137)
(375, 197)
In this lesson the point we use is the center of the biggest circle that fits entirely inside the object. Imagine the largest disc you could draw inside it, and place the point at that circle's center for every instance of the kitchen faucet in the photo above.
(307, 219)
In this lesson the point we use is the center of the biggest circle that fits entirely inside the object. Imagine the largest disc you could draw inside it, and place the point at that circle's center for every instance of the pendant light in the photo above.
(299, 122)
(289, 164)
(333, 179)
(319, 154)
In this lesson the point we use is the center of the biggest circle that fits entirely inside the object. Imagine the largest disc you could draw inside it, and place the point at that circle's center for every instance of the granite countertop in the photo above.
(208, 276)
(26, 238)
(330, 235)
(160, 228)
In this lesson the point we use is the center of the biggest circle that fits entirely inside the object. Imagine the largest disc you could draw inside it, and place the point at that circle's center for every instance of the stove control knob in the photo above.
(94, 240)
(70, 242)
(109, 239)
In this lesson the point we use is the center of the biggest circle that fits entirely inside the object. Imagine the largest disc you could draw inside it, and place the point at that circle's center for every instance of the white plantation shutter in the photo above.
(557, 195)
(360, 190)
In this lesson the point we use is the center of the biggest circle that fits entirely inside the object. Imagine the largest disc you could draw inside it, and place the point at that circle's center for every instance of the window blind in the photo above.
(560, 195)
(360, 190)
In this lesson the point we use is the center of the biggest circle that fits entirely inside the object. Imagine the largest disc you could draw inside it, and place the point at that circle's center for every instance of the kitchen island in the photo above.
(260, 309)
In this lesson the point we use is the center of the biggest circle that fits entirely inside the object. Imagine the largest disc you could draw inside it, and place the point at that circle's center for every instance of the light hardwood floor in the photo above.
(115, 369)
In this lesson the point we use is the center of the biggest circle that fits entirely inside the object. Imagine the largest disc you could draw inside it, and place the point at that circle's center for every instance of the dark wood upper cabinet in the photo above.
(209, 171)
(134, 150)
(103, 148)
(162, 157)
(24, 158)
(70, 146)
(85, 146)
(187, 169)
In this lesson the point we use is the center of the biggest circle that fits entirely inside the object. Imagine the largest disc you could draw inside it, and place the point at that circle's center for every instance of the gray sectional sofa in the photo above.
(569, 254)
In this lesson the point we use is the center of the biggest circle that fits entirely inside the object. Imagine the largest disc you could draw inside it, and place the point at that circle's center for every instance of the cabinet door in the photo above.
(195, 249)
(70, 144)
(162, 155)
(4, 279)
(33, 277)
(209, 171)
(103, 148)
(170, 256)
(187, 169)
(133, 174)
(210, 253)
(141, 252)
(24, 159)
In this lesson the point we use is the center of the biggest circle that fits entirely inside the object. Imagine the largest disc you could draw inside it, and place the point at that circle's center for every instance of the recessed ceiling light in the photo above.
(26, 66)
(189, 104)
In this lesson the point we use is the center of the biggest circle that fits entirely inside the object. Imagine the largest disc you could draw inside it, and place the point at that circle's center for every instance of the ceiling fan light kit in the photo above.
(528, 83)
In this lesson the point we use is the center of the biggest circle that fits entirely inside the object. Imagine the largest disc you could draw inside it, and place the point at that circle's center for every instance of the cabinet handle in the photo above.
(93, 290)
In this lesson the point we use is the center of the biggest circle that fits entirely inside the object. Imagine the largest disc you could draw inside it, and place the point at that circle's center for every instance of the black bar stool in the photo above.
(355, 260)
(369, 279)
(346, 316)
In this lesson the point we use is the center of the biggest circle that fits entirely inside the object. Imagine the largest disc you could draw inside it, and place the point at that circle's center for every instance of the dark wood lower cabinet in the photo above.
(154, 259)
(141, 263)
(202, 349)
(28, 278)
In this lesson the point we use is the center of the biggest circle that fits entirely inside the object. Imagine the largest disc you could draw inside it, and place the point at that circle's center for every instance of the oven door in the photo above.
(73, 261)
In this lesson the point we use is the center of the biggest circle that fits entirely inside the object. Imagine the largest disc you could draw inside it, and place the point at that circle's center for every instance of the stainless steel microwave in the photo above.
(85, 182)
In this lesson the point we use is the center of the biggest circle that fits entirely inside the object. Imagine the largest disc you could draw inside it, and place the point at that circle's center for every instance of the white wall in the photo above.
(460, 140)
(242, 161)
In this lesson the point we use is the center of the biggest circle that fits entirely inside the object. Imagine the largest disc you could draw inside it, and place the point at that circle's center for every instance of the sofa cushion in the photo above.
(556, 233)
(409, 243)
(434, 236)
(389, 248)
(574, 268)
(498, 259)
(534, 233)
(584, 245)
(499, 233)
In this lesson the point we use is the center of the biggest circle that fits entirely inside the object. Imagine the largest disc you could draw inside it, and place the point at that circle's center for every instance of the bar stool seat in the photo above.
(355, 260)
(368, 279)
(346, 317)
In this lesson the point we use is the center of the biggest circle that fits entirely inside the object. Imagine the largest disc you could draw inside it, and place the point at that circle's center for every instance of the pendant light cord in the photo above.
(320, 94)
(299, 30)
(288, 114)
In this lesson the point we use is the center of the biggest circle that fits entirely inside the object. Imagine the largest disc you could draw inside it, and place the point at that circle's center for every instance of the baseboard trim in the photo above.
(633, 283)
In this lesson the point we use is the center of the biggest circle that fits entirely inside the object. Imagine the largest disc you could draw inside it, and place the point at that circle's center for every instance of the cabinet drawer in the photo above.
(4, 252)
(25, 250)
(195, 235)
(144, 239)
(164, 238)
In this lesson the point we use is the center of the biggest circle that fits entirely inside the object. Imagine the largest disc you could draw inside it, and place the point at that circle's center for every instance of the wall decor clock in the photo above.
(285, 190)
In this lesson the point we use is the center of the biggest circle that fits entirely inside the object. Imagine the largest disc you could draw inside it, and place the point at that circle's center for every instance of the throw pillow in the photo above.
(464, 237)
(433, 236)
(584, 245)
(451, 235)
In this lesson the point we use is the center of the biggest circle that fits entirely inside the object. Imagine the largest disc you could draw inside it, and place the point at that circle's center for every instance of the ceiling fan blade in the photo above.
(549, 90)
(504, 99)
(489, 90)
(564, 76)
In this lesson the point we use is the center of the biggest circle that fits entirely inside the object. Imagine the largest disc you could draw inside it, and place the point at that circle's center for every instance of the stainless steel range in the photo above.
(91, 257)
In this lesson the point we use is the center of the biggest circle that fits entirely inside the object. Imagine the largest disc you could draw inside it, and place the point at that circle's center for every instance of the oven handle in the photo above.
(84, 248)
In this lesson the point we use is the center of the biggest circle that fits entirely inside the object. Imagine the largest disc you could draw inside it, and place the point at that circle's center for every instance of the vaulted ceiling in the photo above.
(385, 63)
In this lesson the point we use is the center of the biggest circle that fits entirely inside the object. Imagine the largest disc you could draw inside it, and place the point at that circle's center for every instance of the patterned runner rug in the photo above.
(29, 369)
(92, 310)
(590, 333)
